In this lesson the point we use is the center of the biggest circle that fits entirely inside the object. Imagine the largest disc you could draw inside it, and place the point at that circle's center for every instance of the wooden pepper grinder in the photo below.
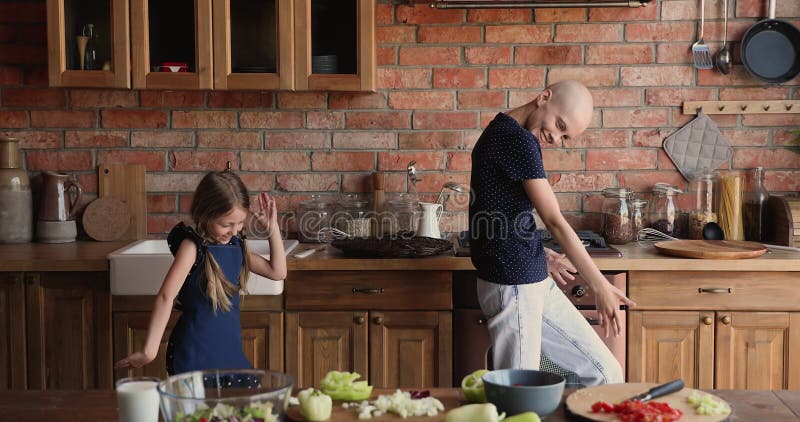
(378, 181)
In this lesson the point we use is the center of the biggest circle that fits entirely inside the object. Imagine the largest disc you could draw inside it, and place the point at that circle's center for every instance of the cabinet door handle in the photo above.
(377, 320)
(481, 321)
(726, 319)
(359, 320)
(707, 320)
(715, 290)
(368, 290)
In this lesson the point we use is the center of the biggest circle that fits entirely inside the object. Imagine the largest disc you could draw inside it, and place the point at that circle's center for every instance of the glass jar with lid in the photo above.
(639, 215)
(664, 214)
(702, 187)
(352, 216)
(315, 215)
(617, 221)
(404, 213)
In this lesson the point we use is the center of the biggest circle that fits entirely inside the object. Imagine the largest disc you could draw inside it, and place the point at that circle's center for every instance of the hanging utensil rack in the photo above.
(742, 107)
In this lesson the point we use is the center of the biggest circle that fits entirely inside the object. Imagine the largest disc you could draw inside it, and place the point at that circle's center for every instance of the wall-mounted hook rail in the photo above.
(742, 107)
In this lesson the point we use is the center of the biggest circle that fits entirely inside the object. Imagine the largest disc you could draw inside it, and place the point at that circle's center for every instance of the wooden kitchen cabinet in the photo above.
(392, 327)
(335, 45)
(12, 332)
(390, 349)
(177, 31)
(68, 318)
(253, 44)
(66, 19)
(262, 341)
(715, 330)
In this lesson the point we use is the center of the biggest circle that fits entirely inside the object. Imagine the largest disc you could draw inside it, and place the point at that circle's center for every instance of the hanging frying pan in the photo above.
(771, 49)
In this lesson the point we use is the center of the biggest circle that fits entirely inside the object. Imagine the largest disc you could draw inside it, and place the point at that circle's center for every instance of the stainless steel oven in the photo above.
(472, 346)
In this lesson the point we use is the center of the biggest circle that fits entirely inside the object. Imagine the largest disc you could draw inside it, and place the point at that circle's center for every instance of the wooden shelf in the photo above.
(742, 107)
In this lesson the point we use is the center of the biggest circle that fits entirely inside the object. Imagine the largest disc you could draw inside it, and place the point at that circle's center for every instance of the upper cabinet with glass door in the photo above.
(88, 43)
(253, 42)
(171, 42)
(335, 45)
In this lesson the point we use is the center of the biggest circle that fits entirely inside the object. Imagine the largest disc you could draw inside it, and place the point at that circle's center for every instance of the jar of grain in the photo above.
(353, 217)
(404, 212)
(702, 187)
(617, 221)
(665, 213)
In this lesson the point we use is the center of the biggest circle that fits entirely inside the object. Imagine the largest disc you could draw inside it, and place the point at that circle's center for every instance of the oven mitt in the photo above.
(698, 147)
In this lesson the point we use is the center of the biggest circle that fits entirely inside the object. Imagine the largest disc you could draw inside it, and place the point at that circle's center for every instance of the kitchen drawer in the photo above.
(373, 290)
(717, 290)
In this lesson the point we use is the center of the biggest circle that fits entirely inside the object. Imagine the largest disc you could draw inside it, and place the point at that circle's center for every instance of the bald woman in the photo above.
(528, 314)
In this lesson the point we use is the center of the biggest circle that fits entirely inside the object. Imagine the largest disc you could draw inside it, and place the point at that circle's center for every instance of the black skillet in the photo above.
(771, 49)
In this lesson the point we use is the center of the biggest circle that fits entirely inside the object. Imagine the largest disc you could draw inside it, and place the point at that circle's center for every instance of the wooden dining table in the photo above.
(101, 405)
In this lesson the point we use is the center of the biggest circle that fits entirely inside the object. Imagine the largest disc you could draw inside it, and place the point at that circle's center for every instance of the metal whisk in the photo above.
(652, 235)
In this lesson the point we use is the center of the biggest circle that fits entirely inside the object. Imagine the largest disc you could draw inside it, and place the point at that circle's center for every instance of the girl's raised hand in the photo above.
(267, 214)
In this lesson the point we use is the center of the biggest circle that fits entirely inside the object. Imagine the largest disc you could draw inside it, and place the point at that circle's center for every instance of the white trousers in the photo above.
(530, 319)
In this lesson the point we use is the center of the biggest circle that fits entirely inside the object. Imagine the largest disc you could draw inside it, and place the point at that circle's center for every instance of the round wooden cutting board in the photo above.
(580, 402)
(106, 219)
(711, 249)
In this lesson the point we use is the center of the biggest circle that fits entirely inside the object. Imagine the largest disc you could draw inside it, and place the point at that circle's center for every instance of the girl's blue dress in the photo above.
(202, 339)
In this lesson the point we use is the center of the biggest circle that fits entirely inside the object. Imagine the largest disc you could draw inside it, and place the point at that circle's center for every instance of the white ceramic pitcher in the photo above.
(429, 220)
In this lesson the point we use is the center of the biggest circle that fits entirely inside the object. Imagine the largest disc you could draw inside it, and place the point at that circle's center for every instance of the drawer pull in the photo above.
(481, 321)
(368, 290)
(715, 290)
(726, 319)
(377, 320)
(708, 320)
(359, 320)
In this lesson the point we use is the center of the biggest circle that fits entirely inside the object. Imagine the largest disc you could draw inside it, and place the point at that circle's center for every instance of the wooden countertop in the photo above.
(74, 256)
(635, 257)
(101, 405)
(93, 256)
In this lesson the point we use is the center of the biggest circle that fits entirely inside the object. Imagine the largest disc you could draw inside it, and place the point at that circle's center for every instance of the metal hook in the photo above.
(720, 108)
(228, 166)
(789, 106)
(743, 107)
(698, 110)
(766, 107)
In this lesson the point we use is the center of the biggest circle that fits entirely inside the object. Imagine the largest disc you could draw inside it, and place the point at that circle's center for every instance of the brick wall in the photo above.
(442, 75)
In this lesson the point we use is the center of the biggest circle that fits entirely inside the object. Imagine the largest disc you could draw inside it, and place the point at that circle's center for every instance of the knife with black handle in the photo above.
(659, 390)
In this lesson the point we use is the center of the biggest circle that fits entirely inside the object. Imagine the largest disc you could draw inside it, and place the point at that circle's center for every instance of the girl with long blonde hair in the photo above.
(210, 272)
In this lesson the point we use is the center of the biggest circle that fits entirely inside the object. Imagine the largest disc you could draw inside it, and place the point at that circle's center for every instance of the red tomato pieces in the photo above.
(637, 411)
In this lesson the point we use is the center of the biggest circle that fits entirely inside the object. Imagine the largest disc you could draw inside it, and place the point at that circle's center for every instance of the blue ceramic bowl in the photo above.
(516, 391)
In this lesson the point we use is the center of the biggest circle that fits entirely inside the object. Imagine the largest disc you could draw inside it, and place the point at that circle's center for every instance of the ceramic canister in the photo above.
(16, 203)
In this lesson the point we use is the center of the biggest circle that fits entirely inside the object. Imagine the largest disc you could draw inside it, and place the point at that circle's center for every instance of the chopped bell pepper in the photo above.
(523, 417)
(472, 387)
(315, 405)
(477, 412)
(343, 386)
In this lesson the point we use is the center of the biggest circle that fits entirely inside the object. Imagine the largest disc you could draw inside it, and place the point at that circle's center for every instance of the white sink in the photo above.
(139, 268)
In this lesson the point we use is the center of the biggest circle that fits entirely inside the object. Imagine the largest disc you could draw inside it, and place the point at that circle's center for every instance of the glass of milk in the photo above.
(137, 399)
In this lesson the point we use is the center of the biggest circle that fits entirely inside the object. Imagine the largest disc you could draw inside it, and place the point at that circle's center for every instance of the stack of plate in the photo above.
(325, 64)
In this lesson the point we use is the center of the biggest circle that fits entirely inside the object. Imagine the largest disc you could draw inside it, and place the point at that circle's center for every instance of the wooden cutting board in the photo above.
(580, 402)
(711, 249)
(450, 398)
(126, 182)
(106, 219)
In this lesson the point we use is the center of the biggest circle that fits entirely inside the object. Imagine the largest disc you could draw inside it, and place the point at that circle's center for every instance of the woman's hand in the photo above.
(608, 313)
(135, 360)
(267, 214)
(557, 267)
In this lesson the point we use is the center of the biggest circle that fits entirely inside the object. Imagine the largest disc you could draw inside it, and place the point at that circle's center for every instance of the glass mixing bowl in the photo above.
(225, 395)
